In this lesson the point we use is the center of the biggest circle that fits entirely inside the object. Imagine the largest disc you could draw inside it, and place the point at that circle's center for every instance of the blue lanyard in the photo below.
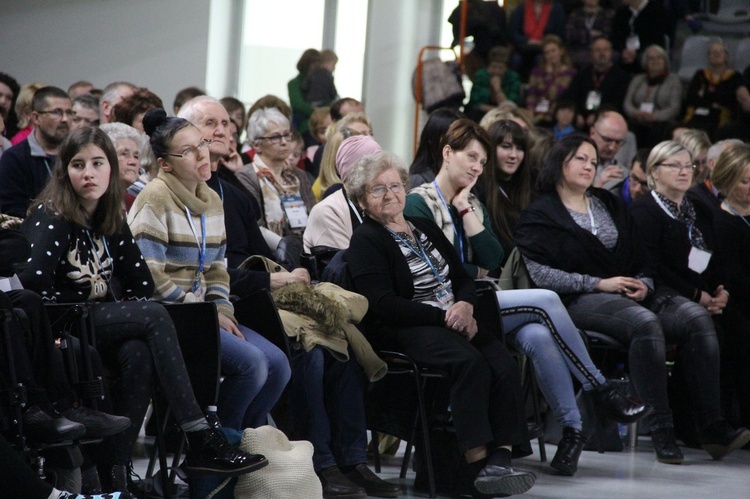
(201, 243)
(457, 230)
(421, 254)
(731, 208)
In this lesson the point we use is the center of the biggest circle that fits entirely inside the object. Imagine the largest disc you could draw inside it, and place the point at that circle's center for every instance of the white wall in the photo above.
(159, 44)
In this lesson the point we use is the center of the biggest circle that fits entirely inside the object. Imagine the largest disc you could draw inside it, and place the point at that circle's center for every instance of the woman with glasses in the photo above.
(422, 304)
(283, 192)
(351, 125)
(582, 243)
(178, 223)
(534, 320)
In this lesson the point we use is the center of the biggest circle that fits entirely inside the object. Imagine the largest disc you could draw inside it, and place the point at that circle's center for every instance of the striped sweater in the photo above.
(158, 220)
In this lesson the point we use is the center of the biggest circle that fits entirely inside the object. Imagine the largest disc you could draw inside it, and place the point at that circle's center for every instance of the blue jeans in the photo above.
(540, 327)
(328, 406)
(255, 374)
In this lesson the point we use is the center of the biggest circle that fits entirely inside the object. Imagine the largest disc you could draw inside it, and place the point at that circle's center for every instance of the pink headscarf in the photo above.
(352, 150)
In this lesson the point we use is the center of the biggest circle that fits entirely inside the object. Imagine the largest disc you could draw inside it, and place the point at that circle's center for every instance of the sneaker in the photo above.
(98, 424)
(48, 426)
(719, 439)
(505, 480)
(209, 452)
(110, 495)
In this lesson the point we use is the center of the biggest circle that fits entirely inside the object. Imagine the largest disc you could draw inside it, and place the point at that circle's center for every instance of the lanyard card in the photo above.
(444, 295)
(542, 106)
(633, 43)
(593, 100)
(647, 107)
(698, 259)
(295, 210)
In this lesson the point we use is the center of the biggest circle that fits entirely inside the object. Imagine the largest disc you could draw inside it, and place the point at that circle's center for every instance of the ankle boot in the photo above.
(569, 451)
(665, 446)
(209, 452)
(616, 406)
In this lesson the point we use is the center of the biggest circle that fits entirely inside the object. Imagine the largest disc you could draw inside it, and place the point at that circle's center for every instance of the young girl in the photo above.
(80, 244)
(178, 222)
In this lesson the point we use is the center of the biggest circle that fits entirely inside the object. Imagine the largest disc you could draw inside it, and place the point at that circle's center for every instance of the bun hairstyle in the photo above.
(161, 129)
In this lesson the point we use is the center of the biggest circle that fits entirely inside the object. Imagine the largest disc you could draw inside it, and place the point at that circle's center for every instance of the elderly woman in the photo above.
(549, 79)
(535, 320)
(580, 242)
(422, 304)
(131, 109)
(128, 143)
(679, 236)
(350, 125)
(283, 192)
(715, 92)
(653, 98)
(333, 220)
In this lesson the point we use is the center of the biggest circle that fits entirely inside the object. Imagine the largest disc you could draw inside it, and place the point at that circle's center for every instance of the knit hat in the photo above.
(352, 150)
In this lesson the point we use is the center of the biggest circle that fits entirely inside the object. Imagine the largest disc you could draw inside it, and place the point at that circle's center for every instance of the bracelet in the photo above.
(463, 212)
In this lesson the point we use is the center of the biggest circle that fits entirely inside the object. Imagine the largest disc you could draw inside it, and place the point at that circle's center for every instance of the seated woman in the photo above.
(654, 98)
(127, 141)
(283, 192)
(80, 245)
(421, 303)
(716, 92)
(535, 320)
(549, 79)
(178, 223)
(349, 126)
(680, 239)
(582, 243)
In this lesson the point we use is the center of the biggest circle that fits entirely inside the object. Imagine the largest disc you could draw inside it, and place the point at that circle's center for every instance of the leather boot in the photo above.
(335, 484)
(209, 452)
(665, 446)
(569, 451)
(616, 406)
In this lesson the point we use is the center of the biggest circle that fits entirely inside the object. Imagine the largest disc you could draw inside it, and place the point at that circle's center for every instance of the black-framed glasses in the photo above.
(609, 140)
(678, 168)
(189, 152)
(276, 139)
(379, 190)
(59, 113)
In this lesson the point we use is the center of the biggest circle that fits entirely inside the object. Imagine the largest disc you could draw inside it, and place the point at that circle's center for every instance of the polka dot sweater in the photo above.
(69, 263)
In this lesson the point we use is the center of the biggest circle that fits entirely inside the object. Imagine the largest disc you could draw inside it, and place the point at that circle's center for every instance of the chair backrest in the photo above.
(741, 59)
(197, 326)
(258, 312)
(693, 56)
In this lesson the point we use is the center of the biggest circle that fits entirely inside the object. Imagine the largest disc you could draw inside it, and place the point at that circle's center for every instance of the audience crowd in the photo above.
(583, 176)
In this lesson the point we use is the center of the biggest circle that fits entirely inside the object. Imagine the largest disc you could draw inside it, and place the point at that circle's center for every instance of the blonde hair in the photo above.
(23, 102)
(730, 167)
(660, 153)
(335, 135)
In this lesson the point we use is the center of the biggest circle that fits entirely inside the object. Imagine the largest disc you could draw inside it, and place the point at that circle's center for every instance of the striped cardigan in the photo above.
(158, 220)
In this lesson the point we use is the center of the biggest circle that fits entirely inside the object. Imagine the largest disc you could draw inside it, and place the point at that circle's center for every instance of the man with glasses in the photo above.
(616, 149)
(25, 168)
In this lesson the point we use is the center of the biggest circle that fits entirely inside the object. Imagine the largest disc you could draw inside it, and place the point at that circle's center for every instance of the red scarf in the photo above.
(533, 27)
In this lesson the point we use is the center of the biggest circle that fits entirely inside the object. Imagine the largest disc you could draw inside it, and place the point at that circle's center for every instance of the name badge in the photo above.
(647, 107)
(295, 210)
(542, 106)
(444, 295)
(633, 42)
(593, 100)
(698, 259)
(702, 111)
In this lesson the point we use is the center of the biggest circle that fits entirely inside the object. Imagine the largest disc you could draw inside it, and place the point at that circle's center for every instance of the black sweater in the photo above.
(379, 272)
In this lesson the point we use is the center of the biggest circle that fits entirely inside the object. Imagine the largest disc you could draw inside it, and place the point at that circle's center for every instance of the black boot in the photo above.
(209, 452)
(616, 406)
(336, 485)
(665, 446)
(719, 439)
(568, 451)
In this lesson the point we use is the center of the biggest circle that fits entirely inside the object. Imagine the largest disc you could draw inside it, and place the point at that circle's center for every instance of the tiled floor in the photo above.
(615, 475)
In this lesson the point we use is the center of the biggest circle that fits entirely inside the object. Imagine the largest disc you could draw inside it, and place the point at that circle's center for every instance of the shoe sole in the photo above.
(508, 485)
(671, 460)
(202, 470)
(563, 468)
(718, 451)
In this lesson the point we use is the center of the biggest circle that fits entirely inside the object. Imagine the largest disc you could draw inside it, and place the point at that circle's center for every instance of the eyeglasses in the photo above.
(609, 140)
(59, 113)
(276, 139)
(190, 151)
(678, 168)
(379, 190)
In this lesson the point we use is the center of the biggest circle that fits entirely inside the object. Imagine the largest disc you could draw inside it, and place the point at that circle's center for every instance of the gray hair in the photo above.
(120, 131)
(191, 110)
(368, 169)
(660, 153)
(258, 124)
(715, 150)
(112, 90)
(659, 50)
(88, 101)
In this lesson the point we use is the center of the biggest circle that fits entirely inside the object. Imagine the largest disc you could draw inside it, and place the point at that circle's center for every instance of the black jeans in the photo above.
(668, 319)
(486, 399)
